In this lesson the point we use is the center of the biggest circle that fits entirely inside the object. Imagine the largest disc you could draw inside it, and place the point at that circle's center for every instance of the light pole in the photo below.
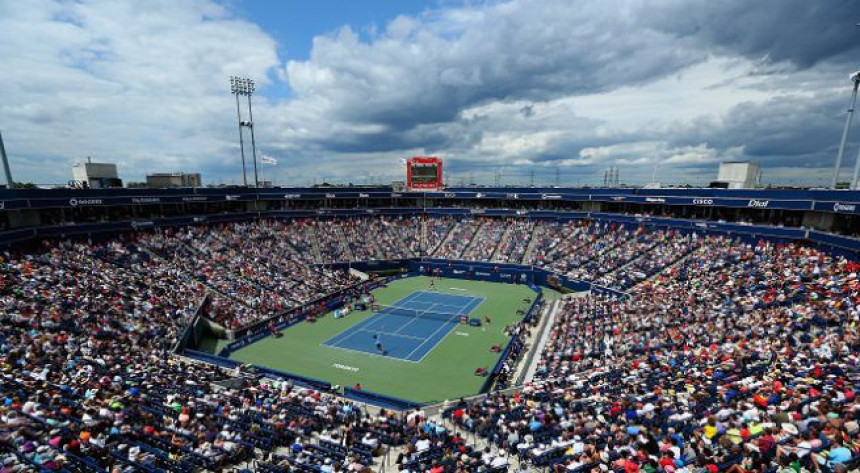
(244, 86)
(856, 78)
(855, 179)
(9, 182)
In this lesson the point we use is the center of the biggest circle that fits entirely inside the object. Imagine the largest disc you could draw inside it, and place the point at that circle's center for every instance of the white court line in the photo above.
(418, 316)
(390, 334)
(444, 325)
(376, 316)
(393, 358)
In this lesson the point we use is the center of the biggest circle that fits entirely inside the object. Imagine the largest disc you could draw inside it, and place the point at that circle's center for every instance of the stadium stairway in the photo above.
(671, 265)
(344, 245)
(526, 371)
(501, 243)
(311, 234)
(537, 236)
(473, 229)
(401, 242)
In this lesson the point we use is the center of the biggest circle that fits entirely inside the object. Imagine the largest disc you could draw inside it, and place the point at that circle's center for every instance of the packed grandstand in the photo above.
(706, 351)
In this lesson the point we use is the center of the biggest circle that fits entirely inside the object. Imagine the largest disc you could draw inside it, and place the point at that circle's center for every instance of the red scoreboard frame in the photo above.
(423, 183)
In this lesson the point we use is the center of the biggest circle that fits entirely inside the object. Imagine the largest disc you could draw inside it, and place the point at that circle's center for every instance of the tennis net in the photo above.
(419, 314)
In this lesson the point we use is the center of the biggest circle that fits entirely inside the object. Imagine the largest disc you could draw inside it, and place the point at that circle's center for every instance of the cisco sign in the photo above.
(76, 202)
(703, 201)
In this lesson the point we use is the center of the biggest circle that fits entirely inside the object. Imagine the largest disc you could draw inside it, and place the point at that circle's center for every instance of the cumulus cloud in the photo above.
(511, 86)
(143, 84)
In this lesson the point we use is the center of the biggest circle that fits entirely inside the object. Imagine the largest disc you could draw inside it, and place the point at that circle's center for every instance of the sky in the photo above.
(510, 91)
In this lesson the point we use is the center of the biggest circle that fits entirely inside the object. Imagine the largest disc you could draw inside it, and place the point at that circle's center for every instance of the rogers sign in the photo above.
(76, 202)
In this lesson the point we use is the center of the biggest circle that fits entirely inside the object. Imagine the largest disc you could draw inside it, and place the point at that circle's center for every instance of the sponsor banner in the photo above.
(838, 207)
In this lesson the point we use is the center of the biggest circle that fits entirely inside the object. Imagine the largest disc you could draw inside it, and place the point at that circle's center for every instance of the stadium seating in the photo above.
(727, 355)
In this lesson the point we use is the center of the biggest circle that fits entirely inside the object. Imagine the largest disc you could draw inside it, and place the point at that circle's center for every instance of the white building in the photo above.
(96, 175)
(739, 175)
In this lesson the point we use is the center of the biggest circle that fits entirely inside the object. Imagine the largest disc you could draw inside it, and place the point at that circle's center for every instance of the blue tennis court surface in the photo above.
(410, 328)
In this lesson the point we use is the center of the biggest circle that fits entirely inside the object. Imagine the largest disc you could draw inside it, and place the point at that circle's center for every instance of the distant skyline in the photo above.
(549, 91)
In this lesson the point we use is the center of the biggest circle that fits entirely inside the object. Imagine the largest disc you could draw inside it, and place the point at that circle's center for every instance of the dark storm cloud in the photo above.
(802, 32)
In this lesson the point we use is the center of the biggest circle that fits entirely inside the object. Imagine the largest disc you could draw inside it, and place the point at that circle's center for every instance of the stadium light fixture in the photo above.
(236, 89)
(855, 77)
(9, 182)
(245, 87)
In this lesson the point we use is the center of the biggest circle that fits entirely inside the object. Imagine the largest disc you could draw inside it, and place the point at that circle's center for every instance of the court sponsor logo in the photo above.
(201, 198)
(618, 197)
(232, 197)
(656, 200)
(703, 201)
(292, 196)
(483, 274)
(450, 195)
(758, 203)
(462, 334)
(330, 196)
(550, 196)
(344, 367)
(363, 196)
(145, 200)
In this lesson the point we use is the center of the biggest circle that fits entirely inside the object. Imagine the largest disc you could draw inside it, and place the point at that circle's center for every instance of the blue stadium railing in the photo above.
(823, 200)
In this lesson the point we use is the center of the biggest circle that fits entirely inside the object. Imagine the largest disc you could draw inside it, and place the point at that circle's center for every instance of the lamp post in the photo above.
(244, 86)
(856, 78)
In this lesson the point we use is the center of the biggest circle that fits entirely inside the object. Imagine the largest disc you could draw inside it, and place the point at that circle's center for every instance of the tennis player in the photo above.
(433, 285)
(377, 340)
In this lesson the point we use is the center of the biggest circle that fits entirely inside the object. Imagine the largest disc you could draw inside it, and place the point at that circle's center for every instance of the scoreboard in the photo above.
(424, 172)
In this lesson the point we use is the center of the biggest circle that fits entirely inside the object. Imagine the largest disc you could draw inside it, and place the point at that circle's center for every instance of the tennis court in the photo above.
(447, 371)
(410, 328)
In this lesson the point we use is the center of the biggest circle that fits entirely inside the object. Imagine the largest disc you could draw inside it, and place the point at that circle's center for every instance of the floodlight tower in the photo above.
(249, 90)
(236, 88)
(9, 182)
(856, 79)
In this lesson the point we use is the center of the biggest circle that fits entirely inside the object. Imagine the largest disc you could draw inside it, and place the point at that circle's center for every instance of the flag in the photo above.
(265, 159)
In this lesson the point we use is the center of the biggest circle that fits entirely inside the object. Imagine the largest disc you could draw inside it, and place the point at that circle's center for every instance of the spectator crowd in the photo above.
(726, 355)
